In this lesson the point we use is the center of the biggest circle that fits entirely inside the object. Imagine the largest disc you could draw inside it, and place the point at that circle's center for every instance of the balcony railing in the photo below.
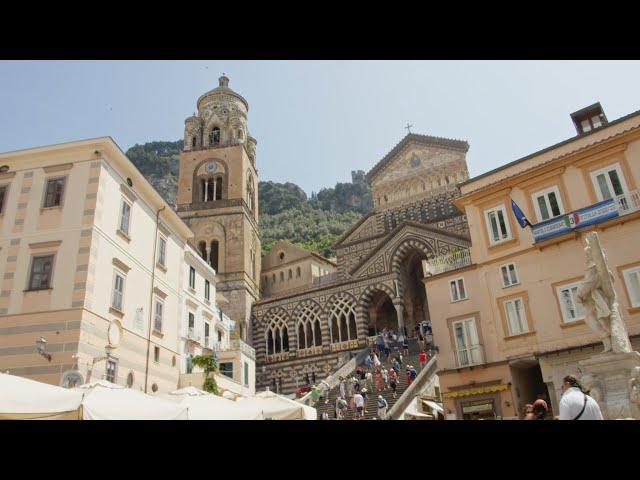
(628, 202)
(451, 261)
(193, 335)
(234, 202)
(305, 352)
(591, 215)
(331, 277)
(467, 357)
(236, 345)
(346, 345)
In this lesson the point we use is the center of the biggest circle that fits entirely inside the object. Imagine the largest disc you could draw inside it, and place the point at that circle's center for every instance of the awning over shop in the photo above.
(467, 392)
(434, 406)
(23, 398)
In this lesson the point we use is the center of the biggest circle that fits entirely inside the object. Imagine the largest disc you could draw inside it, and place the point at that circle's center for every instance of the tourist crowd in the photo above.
(373, 377)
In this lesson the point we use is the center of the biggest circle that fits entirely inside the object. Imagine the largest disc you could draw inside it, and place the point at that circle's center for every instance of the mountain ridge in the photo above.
(285, 210)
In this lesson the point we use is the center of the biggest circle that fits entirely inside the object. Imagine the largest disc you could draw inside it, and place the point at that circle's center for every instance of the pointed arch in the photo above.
(341, 310)
(307, 317)
(277, 327)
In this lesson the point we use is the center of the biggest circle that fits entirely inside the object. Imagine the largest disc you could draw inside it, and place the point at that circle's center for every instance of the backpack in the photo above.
(382, 403)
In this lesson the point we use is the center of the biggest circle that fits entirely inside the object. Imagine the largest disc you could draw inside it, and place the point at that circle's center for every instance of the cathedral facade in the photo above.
(303, 333)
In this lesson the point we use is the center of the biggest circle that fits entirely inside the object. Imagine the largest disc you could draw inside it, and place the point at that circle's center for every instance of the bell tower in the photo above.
(217, 197)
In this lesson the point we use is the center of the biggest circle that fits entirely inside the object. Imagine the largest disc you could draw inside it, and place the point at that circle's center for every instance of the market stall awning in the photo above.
(202, 405)
(22, 399)
(106, 403)
(278, 407)
(467, 392)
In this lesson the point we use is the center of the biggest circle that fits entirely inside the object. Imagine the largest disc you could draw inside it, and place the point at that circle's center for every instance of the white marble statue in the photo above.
(598, 299)
(634, 385)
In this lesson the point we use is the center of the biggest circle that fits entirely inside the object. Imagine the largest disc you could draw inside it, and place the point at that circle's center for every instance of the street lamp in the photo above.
(41, 346)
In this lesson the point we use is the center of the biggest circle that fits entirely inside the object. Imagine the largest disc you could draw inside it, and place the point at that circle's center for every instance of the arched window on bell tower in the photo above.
(214, 136)
(218, 191)
(213, 259)
(202, 248)
(193, 142)
(250, 193)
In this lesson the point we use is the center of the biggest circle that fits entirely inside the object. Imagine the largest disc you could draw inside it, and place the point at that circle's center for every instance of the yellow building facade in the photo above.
(510, 328)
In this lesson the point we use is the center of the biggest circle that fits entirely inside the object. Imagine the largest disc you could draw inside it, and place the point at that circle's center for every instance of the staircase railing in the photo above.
(423, 378)
(333, 379)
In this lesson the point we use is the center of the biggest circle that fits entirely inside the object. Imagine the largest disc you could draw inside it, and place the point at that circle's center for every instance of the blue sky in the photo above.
(315, 121)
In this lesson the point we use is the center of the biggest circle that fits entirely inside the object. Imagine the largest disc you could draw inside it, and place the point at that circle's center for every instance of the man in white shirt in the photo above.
(576, 405)
(359, 402)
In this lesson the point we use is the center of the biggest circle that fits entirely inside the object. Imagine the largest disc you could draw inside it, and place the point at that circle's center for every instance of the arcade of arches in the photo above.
(311, 329)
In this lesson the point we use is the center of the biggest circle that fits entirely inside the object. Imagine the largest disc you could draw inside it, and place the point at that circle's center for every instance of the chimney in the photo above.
(589, 118)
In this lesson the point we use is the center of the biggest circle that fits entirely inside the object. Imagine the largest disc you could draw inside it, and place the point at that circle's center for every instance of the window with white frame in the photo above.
(548, 203)
(192, 277)
(458, 290)
(207, 328)
(157, 324)
(162, 250)
(117, 297)
(468, 350)
(632, 280)
(207, 290)
(609, 182)
(516, 317)
(570, 308)
(125, 216)
(156, 354)
(497, 224)
(509, 274)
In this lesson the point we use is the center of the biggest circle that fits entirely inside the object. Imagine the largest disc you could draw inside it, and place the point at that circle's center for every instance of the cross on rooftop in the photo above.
(408, 127)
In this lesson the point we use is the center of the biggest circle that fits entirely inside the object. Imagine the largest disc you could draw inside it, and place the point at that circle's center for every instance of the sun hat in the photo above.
(540, 403)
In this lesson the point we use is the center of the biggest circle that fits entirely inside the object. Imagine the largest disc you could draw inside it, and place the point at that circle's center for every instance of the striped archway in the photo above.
(372, 293)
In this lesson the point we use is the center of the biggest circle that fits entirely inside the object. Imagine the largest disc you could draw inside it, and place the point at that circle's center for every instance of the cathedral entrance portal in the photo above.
(414, 295)
(381, 313)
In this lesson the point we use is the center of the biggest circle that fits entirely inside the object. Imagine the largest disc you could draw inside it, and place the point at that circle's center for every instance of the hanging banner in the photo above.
(596, 213)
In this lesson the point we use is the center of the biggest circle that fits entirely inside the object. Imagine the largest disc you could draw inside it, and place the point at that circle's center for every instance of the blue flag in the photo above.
(522, 219)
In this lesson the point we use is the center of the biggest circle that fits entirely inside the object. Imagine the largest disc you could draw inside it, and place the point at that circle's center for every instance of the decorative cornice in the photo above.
(58, 168)
(121, 265)
(128, 192)
(51, 244)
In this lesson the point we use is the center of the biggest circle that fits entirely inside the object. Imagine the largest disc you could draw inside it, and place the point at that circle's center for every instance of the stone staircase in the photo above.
(371, 404)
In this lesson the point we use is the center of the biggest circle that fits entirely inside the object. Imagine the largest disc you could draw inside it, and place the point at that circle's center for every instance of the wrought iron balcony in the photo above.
(470, 356)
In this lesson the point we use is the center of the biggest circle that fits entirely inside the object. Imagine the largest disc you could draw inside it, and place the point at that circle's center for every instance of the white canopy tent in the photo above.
(107, 401)
(278, 407)
(202, 405)
(22, 399)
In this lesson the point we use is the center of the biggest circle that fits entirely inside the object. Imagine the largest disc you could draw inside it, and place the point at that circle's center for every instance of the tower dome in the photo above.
(221, 119)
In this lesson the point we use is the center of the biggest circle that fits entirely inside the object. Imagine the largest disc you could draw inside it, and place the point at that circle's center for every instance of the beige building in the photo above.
(205, 330)
(288, 267)
(507, 325)
(92, 262)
